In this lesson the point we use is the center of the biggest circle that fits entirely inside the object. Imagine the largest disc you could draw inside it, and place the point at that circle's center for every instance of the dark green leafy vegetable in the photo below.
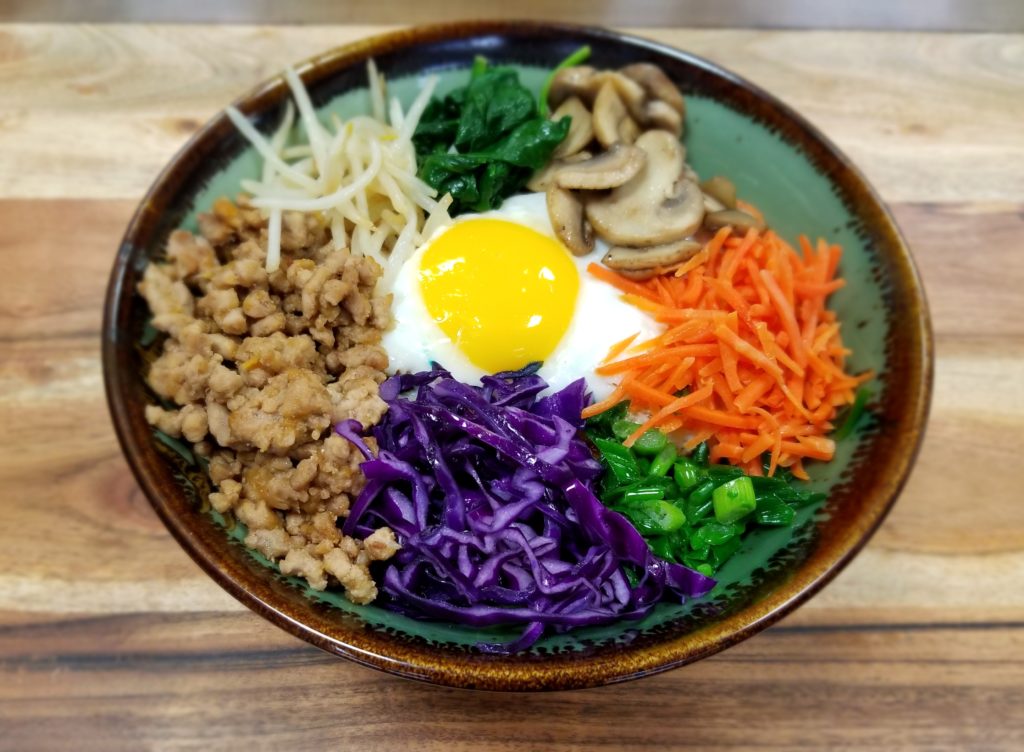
(689, 511)
(483, 141)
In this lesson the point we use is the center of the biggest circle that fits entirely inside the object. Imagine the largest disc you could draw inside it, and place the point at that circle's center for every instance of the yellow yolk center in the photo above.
(503, 293)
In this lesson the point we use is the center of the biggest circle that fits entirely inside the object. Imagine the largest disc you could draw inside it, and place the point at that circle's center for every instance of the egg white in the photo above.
(600, 318)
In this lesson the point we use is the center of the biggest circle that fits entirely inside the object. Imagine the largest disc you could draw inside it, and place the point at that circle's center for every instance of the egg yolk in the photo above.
(503, 293)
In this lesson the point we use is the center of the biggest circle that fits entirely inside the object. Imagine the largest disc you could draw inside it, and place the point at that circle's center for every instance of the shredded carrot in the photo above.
(750, 359)
(617, 349)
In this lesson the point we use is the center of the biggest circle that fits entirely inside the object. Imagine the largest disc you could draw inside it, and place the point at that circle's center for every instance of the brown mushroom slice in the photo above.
(571, 82)
(656, 206)
(545, 176)
(566, 213)
(656, 84)
(638, 275)
(612, 122)
(721, 189)
(712, 204)
(667, 254)
(581, 127)
(610, 169)
(630, 92)
(735, 218)
(659, 114)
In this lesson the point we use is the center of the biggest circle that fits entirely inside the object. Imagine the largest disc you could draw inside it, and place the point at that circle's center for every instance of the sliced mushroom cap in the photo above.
(566, 213)
(581, 128)
(638, 275)
(612, 122)
(545, 176)
(722, 189)
(571, 82)
(712, 204)
(630, 92)
(659, 114)
(610, 169)
(634, 259)
(733, 218)
(657, 206)
(656, 84)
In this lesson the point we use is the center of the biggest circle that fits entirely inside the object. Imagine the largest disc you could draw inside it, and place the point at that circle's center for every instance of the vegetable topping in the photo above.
(750, 360)
(489, 491)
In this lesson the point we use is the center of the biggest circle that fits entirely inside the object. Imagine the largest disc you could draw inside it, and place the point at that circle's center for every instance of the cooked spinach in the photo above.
(482, 141)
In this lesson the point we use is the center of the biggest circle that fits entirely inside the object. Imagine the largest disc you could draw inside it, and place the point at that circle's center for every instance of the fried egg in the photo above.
(497, 290)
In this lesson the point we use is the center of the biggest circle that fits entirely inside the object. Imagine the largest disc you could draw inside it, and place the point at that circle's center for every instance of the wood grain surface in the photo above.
(110, 638)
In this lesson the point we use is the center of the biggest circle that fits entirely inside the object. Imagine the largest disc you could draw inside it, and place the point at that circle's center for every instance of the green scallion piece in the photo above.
(734, 500)
(622, 428)
(650, 443)
(664, 460)
(855, 413)
(687, 475)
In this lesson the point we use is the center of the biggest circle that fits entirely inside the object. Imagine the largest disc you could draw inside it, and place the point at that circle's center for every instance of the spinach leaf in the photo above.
(481, 142)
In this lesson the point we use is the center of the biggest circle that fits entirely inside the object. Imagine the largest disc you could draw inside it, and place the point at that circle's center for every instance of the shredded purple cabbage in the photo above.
(488, 490)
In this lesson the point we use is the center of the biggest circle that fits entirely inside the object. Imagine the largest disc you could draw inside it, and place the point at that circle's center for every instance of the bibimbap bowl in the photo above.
(778, 162)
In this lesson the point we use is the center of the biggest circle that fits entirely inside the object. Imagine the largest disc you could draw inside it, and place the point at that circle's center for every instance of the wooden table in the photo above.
(111, 638)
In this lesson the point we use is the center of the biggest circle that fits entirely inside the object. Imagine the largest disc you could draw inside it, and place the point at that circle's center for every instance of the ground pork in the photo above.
(260, 366)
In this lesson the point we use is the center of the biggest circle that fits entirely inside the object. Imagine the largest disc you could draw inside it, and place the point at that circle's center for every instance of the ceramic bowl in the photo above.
(779, 162)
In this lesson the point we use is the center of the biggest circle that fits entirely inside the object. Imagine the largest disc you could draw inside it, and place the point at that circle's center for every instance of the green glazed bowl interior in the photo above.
(778, 162)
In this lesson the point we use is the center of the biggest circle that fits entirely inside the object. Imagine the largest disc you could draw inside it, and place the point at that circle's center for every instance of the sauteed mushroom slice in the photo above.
(630, 92)
(545, 176)
(659, 114)
(740, 220)
(656, 206)
(656, 84)
(581, 128)
(721, 189)
(567, 218)
(612, 122)
(610, 169)
(571, 82)
(637, 259)
(638, 275)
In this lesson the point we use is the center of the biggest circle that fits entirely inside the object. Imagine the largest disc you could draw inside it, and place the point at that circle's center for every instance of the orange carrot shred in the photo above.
(749, 360)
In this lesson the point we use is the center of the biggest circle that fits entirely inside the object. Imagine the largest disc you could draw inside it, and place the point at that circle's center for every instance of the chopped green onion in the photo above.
(723, 472)
(697, 510)
(714, 534)
(619, 459)
(734, 500)
(855, 413)
(650, 442)
(623, 428)
(687, 474)
(664, 460)
(721, 553)
(650, 493)
(575, 58)
(773, 512)
(703, 492)
(705, 569)
(700, 454)
(655, 517)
